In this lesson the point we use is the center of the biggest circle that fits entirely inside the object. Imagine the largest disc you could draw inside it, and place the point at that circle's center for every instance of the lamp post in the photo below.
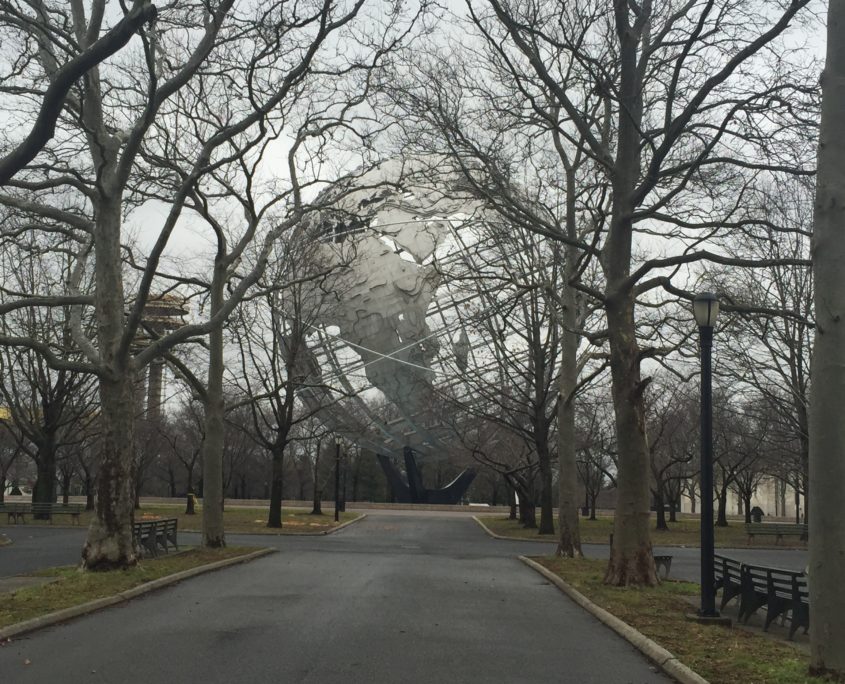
(706, 308)
(337, 479)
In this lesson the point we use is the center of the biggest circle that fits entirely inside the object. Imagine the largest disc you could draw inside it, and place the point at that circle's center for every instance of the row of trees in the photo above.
(632, 150)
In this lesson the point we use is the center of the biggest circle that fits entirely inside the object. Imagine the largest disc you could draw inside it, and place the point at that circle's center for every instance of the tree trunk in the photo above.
(661, 513)
(44, 490)
(89, 493)
(722, 514)
(673, 510)
(109, 544)
(827, 429)
(547, 522)
(746, 501)
(511, 494)
(631, 561)
(317, 508)
(569, 540)
(212, 466)
(593, 507)
(527, 514)
(274, 518)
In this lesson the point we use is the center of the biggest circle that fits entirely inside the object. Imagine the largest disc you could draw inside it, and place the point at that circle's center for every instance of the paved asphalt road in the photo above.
(392, 599)
(395, 598)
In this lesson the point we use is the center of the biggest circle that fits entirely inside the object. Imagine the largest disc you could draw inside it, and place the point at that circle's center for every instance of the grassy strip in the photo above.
(74, 587)
(685, 532)
(235, 520)
(251, 520)
(719, 654)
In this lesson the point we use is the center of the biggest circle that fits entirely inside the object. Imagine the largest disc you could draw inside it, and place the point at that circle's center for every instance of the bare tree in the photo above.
(673, 81)
(141, 124)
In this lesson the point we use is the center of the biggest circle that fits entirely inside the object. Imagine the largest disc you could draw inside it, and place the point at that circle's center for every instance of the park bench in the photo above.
(166, 533)
(17, 512)
(777, 530)
(664, 562)
(781, 591)
(150, 534)
(52, 509)
(728, 575)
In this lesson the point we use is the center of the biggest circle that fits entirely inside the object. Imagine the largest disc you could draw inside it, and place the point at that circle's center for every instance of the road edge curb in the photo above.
(517, 539)
(72, 612)
(664, 659)
(339, 527)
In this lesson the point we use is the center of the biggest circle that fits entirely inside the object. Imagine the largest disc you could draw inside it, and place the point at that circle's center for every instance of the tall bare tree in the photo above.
(138, 124)
(670, 101)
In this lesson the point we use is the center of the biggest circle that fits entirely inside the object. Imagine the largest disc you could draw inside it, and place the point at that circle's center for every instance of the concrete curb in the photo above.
(338, 528)
(65, 614)
(490, 532)
(665, 660)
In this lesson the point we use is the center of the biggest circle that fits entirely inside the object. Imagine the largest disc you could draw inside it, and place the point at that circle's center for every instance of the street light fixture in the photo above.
(706, 309)
(337, 478)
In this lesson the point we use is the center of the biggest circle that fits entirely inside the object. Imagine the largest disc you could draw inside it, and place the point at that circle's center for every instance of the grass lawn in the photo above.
(235, 520)
(251, 520)
(74, 587)
(719, 654)
(685, 532)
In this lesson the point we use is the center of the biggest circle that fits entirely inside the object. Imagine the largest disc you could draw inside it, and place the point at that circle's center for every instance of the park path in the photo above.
(391, 599)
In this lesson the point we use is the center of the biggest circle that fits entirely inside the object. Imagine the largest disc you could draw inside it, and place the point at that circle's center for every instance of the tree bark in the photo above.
(547, 524)
(661, 512)
(569, 540)
(109, 544)
(631, 561)
(722, 514)
(827, 429)
(44, 490)
(274, 518)
(317, 508)
(527, 514)
(213, 535)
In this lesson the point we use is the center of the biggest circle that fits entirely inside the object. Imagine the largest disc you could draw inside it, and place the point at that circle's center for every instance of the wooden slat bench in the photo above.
(149, 535)
(166, 533)
(17, 512)
(781, 591)
(52, 509)
(728, 575)
(777, 530)
(664, 562)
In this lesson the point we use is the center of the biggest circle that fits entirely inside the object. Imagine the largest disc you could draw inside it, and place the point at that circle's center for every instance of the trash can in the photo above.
(757, 514)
